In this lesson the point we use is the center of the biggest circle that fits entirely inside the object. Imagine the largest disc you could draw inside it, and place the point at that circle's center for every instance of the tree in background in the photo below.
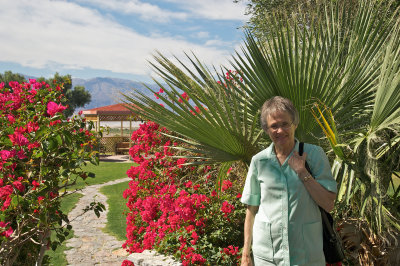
(74, 97)
(9, 76)
(263, 13)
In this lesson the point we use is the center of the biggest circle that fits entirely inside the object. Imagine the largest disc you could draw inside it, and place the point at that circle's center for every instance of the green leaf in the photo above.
(15, 201)
(6, 142)
(54, 245)
(37, 154)
(222, 174)
(94, 159)
(65, 173)
(45, 145)
(53, 144)
(61, 238)
(92, 175)
(43, 130)
(68, 138)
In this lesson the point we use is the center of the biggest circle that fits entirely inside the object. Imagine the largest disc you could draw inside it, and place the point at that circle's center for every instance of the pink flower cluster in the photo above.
(53, 108)
(231, 251)
(158, 93)
(35, 144)
(184, 97)
(231, 77)
(12, 102)
(167, 203)
(227, 208)
(4, 230)
(127, 263)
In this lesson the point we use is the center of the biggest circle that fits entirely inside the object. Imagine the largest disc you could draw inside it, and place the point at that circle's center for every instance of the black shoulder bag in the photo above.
(333, 248)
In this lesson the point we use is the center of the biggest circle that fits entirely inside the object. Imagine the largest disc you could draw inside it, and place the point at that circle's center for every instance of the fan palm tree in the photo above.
(367, 160)
(350, 65)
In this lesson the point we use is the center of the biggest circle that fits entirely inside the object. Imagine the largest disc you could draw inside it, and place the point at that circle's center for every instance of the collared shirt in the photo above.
(287, 228)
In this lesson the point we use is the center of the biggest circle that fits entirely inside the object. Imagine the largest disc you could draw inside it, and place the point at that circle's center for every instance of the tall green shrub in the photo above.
(40, 156)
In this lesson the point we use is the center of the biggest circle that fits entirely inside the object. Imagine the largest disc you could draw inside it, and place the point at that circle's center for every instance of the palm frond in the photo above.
(220, 132)
(386, 112)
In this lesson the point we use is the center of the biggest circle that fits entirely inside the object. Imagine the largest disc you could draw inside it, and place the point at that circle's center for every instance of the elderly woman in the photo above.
(283, 222)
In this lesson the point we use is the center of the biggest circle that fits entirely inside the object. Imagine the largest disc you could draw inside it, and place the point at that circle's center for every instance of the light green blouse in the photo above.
(287, 228)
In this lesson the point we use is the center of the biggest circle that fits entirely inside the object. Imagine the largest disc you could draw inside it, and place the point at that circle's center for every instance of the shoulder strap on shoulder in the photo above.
(301, 148)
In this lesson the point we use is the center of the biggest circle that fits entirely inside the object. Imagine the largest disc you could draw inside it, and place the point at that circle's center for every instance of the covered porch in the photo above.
(114, 141)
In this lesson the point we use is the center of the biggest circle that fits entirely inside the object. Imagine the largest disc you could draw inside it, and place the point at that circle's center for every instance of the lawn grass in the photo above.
(57, 257)
(104, 172)
(116, 219)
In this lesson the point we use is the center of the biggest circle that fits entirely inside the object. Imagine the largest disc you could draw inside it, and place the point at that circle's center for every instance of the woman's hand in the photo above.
(297, 163)
(246, 259)
(248, 235)
(322, 197)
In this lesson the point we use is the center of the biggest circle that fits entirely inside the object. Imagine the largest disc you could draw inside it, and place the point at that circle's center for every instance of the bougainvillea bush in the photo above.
(176, 209)
(41, 153)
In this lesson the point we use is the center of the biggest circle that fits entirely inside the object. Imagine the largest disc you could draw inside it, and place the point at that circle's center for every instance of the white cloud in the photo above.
(201, 35)
(146, 11)
(209, 9)
(217, 43)
(214, 9)
(44, 33)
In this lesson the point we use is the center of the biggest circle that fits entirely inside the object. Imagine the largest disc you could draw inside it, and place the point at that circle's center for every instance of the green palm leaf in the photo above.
(224, 131)
(386, 112)
(321, 62)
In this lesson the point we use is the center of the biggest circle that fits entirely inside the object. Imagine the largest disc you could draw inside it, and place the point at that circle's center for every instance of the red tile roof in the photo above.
(113, 109)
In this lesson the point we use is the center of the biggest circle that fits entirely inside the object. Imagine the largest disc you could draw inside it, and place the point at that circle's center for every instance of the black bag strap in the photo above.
(324, 214)
(301, 149)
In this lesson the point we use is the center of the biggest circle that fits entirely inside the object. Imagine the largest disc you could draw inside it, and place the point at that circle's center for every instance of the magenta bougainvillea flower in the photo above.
(174, 207)
(18, 139)
(35, 145)
(53, 108)
(226, 184)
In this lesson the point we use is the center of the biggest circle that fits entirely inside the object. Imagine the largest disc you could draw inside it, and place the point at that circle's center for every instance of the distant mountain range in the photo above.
(107, 91)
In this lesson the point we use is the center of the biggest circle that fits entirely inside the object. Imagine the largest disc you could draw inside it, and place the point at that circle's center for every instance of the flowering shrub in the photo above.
(175, 209)
(127, 263)
(40, 156)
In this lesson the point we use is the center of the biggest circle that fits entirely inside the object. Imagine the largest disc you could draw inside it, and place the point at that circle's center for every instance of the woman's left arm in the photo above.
(322, 196)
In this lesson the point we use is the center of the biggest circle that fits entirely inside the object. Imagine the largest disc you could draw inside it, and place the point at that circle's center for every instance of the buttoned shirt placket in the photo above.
(285, 217)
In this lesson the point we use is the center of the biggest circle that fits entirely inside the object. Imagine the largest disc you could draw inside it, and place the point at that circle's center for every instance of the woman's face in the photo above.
(281, 128)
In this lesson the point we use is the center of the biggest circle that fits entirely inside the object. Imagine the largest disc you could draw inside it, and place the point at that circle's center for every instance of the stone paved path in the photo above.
(90, 245)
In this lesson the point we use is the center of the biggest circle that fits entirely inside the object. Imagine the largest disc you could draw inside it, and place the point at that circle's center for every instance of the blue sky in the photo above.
(115, 38)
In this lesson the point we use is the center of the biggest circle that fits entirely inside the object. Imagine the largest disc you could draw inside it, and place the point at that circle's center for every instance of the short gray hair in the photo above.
(278, 103)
